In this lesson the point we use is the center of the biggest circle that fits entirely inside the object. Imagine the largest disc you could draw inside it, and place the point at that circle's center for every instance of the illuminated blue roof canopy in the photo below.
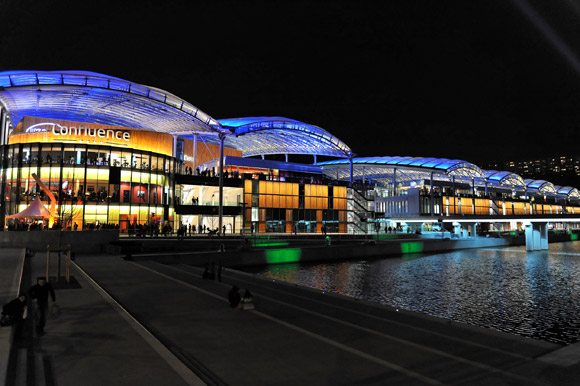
(568, 191)
(96, 98)
(544, 187)
(382, 169)
(278, 135)
(504, 178)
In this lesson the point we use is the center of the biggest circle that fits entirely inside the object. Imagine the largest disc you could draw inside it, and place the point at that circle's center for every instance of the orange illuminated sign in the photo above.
(32, 129)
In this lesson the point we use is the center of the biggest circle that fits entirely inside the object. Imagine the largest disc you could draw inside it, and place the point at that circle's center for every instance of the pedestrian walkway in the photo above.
(301, 336)
(11, 265)
(294, 336)
(91, 342)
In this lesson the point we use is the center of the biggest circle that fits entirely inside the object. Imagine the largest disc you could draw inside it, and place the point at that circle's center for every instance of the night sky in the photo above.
(475, 80)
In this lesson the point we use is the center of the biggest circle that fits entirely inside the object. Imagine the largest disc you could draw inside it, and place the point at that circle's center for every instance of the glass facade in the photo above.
(91, 185)
(287, 207)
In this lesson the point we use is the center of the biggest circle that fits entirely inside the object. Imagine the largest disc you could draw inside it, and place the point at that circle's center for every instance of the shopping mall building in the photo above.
(99, 150)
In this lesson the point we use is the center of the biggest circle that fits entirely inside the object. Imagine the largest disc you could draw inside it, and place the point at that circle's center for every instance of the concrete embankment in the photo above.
(288, 251)
(80, 242)
(237, 251)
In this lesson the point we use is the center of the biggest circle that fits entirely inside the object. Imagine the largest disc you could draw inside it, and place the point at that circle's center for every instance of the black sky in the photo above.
(474, 80)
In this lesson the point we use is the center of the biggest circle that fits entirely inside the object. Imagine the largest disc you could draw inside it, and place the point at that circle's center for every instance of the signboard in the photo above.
(32, 129)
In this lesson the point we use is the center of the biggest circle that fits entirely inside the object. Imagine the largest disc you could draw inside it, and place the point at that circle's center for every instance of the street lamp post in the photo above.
(221, 182)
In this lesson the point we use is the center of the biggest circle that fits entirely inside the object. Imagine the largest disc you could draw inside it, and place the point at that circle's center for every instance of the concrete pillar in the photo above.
(536, 236)
(351, 167)
(363, 175)
(467, 229)
(432, 199)
(457, 229)
(2, 127)
(194, 153)
(394, 181)
(473, 195)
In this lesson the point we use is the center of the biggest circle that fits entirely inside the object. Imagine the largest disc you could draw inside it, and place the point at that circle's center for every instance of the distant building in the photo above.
(565, 166)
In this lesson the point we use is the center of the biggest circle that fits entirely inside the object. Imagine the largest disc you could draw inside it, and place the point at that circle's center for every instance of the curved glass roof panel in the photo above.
(567, 191)
(406, 168)
(96, 98)
(423, 161)
(504, 178)
(542, 186)
(278, 135)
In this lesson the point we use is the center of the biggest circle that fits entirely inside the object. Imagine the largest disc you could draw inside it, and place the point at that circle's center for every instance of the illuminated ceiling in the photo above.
(84, 96)
(277, 135)
(504, 178)
(384, 169)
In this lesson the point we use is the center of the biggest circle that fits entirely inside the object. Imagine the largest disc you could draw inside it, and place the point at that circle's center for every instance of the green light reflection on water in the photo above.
(412, 247)
(286, 255)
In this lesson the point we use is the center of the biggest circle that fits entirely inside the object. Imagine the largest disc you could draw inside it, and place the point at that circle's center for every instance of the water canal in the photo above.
(533, 294)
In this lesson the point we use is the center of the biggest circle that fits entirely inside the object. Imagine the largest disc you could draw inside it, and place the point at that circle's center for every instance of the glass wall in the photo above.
(288, 207)
(89, 186)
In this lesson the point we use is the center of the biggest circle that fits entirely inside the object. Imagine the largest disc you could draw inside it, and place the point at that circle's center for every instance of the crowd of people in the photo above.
(57, 226)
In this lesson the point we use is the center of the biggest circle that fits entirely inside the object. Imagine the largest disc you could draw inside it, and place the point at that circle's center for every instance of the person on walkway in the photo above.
(234, 296)
(39, 295)
(15, 312)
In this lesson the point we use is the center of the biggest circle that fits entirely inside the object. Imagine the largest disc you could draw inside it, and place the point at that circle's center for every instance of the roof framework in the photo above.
(384, 169)
(542, 186)
(95, 98)
(567, 191)
(503, 178)
(278, 135)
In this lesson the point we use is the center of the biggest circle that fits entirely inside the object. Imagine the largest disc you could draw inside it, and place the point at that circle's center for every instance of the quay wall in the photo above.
(321, 253)
(80, 241)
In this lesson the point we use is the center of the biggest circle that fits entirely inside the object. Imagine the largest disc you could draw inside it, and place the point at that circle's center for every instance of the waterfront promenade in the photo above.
(143, 323)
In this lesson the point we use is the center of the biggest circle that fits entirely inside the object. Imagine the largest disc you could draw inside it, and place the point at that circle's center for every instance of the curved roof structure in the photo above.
(383, 169)
(541, 186)
(278, 135)
(96, 98)
(504, 178)
(568, 191)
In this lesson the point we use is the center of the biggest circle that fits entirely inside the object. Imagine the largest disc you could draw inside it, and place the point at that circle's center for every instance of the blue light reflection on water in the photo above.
(534, 294)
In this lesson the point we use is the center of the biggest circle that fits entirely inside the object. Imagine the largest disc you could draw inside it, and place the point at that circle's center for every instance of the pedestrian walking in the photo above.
(234, 296)
(39, 295)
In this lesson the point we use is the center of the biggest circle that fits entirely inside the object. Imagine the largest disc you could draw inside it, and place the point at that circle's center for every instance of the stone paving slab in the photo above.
(94, 342)
(11, 264)
(289, 342)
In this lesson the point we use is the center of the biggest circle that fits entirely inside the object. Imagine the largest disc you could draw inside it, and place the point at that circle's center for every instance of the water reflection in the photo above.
(534, 294)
